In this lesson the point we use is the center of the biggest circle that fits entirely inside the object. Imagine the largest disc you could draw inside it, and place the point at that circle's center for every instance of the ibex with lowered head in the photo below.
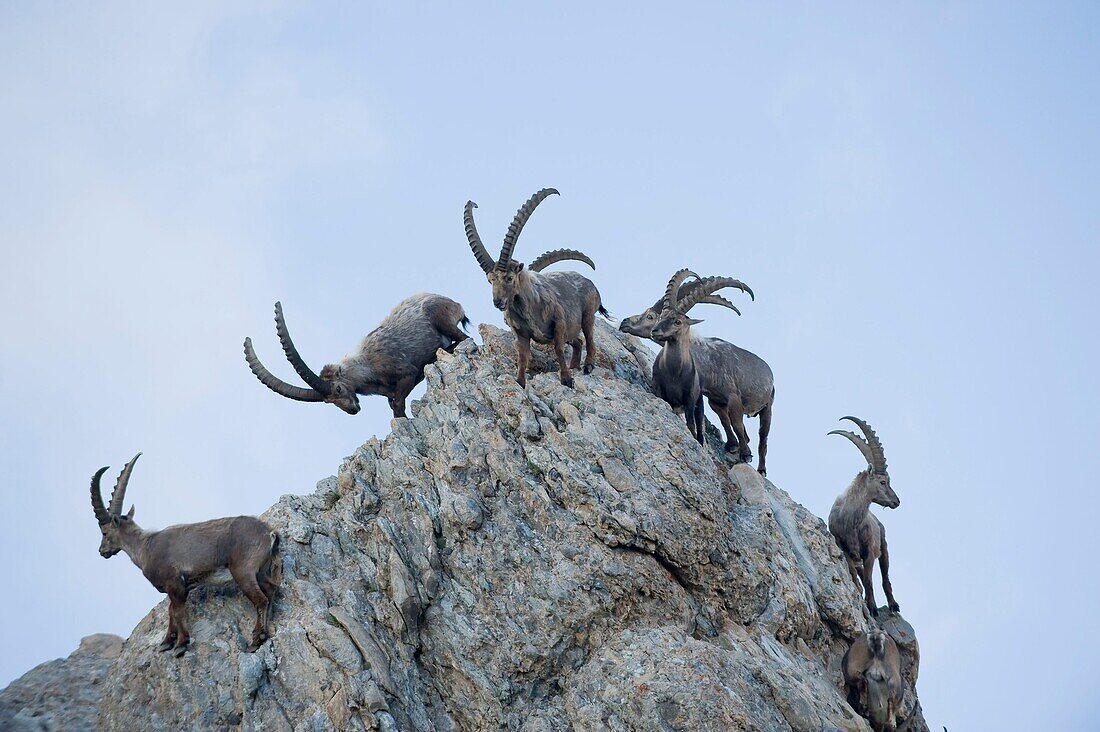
(180, 557)
(390, 360)
(552, 307)
(872, 674)
(736, 382)
(860, 534)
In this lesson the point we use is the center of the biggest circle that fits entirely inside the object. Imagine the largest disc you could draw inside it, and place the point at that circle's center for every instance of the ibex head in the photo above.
(111, 519)
(875, 477)
(642, 325)
(678, 301)
(331, 386)
(506, 275)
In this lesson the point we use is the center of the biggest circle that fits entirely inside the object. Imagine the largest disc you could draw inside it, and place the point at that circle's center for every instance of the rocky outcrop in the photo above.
(542, 559)
(63, 694)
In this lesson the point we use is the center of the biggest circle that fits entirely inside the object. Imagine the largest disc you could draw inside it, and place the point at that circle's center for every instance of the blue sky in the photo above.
(911, 192)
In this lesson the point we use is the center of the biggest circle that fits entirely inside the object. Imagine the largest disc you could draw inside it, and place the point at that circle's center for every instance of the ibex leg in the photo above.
(246, 580)
(727, 426)
(523, 351)
(452, 331)
(575, 358)
(401, 391)
(868, 577)
(563, 367)
(170, 635)
(737, 417)
(177, 606)
(765, 428)
(588, 322)
(884, 567)
(699, 433)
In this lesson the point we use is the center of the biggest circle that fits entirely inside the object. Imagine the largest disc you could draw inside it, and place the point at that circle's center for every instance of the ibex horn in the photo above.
(480, 253)
(276, 384)
(878, 456)
(295, 359)
(858, 442)
(119, 493)
(558, 255)
(672, 290)
(707, 286)
(524, 213)
(101, 514)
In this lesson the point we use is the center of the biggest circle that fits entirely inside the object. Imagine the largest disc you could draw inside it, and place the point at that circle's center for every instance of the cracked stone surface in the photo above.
(542, 559)
(62, 694)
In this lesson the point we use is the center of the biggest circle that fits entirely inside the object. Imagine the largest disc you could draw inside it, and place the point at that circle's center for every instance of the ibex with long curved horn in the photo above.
(552, 307)
(679, 375)
(390, 360)
(180, 557)
(736, 382)
(858, 532)
(872, 675)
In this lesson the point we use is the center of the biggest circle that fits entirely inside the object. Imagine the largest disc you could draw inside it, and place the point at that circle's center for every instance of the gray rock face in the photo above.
(542, 559)
(63, 694)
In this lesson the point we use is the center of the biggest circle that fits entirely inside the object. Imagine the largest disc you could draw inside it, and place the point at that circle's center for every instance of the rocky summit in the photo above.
(539, 560)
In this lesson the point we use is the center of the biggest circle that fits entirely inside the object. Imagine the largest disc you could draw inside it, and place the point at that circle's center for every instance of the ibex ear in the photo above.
(115, 520)
(517, 266)
(130, 514)
(692, 321)
(330, 372)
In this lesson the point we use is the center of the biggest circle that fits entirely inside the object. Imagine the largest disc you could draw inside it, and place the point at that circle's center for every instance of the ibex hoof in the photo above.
(568, 382)
(166, 646)
(589, 368)
(894, 607)
(180, 650)
(762, 472)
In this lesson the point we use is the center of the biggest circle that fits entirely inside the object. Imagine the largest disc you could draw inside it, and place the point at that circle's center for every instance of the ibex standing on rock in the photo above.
(860, 534)
(872, 673)
(554, 307)
(685, 363)
(177, 558)
(736, 382)
(390, 360)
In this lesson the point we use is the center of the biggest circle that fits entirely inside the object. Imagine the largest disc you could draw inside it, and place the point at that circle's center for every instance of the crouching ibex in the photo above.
(735, 381)
(180, 557)
(555, 307)
(860, 534)
(390, 360)
(872, 674)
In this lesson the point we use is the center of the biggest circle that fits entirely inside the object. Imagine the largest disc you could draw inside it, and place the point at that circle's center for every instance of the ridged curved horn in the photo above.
(291, 352)
(858, 442)
(558, 255)
(524, 213)
(719, 300)
(878, 456)
(673, 290)
(98, 508)
(119, 493)
(277, 385)
(480, 253)
(707, 286)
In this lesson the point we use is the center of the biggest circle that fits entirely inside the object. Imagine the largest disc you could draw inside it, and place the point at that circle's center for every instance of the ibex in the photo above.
(180, 557)
(679, 375)
(390, 360)
(861, 536)
(872, 675)
(552, 307)
(736, 382)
